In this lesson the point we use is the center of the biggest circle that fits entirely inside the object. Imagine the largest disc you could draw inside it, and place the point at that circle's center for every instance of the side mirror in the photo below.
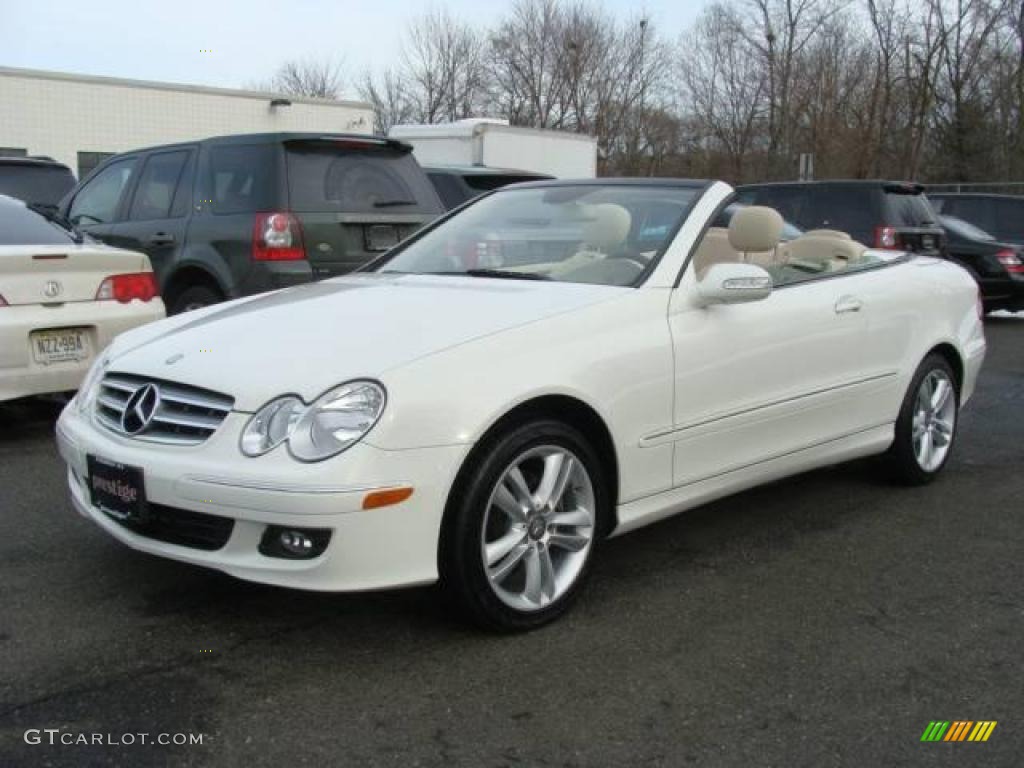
(734, 284)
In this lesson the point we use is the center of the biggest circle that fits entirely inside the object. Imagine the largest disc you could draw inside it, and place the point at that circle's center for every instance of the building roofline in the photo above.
(120, 82)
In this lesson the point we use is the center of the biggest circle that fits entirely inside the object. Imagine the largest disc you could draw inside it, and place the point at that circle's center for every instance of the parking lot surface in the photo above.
(820, 621)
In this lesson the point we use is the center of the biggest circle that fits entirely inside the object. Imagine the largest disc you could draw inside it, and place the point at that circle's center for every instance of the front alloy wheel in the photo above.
(522, 524)
(538, 527)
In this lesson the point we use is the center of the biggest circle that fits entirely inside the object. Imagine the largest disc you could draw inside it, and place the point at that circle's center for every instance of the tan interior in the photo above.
(818, 250)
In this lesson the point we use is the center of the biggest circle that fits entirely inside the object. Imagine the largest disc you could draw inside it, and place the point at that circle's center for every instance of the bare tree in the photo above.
(724, 86)
(312, 78)
(388, 96)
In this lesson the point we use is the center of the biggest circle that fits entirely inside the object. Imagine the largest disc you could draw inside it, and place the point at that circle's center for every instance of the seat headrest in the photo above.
(607, 228)
(755, 229)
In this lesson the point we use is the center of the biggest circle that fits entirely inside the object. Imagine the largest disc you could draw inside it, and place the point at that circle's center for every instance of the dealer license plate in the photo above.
(117, 489)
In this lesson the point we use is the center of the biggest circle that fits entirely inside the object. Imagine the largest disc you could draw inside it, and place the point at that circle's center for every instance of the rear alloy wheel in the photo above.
(927, 423)
(522, 530)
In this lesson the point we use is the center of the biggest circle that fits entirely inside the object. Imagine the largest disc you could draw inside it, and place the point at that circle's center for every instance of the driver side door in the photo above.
(760, 380)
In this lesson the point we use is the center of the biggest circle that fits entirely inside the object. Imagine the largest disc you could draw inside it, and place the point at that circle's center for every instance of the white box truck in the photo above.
(496, 144)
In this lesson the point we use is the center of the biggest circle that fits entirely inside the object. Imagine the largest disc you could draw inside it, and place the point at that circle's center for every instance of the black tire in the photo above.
(463, 579)
(194, 297)
(902, 458)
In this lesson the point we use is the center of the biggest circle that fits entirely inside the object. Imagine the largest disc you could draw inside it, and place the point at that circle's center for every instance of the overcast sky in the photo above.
(246, 39)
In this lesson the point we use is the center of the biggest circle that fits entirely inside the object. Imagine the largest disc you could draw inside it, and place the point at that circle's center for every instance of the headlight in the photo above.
(87, 389)
(270, 426)
(335, 421)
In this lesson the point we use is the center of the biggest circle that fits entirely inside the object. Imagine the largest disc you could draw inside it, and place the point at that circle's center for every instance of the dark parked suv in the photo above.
(236, 215)
(879, 214)
(37, 180)
(457, 183)
(1000, 215)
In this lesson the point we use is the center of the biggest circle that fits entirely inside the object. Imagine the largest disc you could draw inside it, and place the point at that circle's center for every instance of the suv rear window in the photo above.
(20, 226)
(909, 209)
(36, 183)
(327, 177)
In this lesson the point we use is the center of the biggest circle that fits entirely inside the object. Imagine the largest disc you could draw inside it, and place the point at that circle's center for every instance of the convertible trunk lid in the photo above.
(307, 339)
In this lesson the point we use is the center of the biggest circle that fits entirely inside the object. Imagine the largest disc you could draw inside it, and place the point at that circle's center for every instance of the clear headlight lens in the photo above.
(335, 421)
(270, 425)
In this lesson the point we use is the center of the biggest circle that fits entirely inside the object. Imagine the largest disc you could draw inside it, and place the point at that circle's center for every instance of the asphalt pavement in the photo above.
(824, 620)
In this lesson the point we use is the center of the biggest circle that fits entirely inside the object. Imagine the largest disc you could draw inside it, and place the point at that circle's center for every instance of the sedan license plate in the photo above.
(61, 345)
(380, 237)
(116, 489)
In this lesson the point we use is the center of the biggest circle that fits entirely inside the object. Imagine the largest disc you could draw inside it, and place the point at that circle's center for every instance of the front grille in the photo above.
(179, 414)
(179, 526)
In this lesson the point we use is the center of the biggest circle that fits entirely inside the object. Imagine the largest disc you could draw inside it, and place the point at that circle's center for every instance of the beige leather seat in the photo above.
(606, 229)
(752, 237)
(824, 250)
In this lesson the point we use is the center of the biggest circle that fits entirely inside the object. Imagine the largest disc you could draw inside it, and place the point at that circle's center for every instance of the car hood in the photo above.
(308, 339)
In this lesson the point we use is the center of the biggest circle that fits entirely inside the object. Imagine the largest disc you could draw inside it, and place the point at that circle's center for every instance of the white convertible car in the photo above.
(556, 363)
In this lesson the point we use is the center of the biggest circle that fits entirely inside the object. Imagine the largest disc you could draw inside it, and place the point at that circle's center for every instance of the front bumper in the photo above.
(369, 549)
(21, 375)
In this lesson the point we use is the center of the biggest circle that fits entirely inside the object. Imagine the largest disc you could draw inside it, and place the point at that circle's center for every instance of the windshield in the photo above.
(964, 229)
(603, 234)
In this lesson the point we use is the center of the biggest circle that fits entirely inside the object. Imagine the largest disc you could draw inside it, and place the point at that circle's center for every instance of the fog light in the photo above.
(294, 543)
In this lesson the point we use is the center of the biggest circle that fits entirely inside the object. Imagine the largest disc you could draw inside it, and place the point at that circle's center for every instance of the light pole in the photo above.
(643, 81)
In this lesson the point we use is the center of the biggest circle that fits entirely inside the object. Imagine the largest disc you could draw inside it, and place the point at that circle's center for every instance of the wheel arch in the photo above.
(187, 275)
(559, 407)
(952, 356)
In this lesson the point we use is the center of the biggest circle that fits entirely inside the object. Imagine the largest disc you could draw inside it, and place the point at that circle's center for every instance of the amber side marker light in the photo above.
(386, 498)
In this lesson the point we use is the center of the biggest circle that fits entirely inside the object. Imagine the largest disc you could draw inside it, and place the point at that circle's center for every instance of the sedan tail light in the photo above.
(126, 288)
(1011, 261)
(885, 238)
(277, 237)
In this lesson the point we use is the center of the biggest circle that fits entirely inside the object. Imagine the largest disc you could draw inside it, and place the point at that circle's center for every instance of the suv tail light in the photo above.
(125, 288)
(277, 236)
(1011, 261)
(885, 238)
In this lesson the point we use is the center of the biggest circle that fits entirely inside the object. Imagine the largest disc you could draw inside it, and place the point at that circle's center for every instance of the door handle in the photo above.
(161, 238)
(847, 304)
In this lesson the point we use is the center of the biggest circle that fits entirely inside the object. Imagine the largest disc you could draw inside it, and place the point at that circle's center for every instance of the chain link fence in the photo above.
(991, 188)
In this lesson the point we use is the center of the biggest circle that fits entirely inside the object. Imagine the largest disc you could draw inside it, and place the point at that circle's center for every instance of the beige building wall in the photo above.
(60, 115)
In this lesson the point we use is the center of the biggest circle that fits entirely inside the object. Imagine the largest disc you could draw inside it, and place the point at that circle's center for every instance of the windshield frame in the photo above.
(699, 186)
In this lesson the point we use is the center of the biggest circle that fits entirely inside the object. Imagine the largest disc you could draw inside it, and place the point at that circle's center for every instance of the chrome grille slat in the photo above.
(109, 401)
(115, 383)
(184, 415)
(187, 420)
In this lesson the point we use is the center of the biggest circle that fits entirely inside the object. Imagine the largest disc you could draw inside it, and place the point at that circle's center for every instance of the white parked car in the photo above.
(62, 300)
(556, 363)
